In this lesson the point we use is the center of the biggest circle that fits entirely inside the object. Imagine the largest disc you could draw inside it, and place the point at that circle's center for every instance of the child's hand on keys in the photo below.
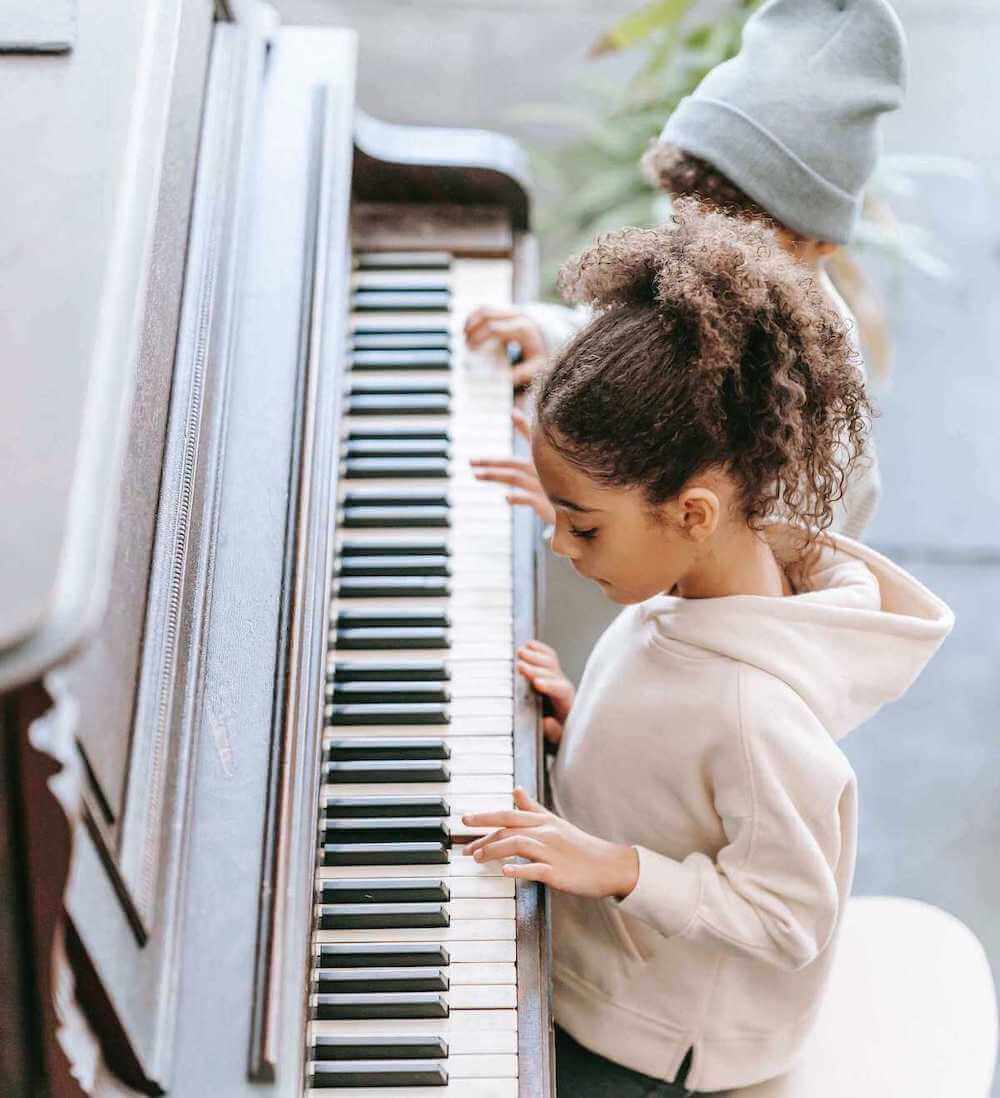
(519, 474)
(558, 853)
(508, 325)
(539, 664)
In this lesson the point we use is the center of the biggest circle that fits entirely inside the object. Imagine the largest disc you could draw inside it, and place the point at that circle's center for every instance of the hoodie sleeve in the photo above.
(557, 323)
(788, 810)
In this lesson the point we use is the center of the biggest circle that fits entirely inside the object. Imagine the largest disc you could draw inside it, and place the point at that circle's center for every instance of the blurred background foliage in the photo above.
(592, 183)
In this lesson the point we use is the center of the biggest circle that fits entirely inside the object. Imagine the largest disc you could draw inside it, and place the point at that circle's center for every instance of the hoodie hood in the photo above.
(855, 635)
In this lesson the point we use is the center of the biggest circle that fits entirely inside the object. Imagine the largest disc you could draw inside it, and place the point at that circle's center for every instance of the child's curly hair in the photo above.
(684, 175)
(710, 348)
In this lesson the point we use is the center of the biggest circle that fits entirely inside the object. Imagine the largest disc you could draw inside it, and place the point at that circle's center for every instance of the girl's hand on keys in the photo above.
(558, 853)
(539, 664)
(508, 325)
(519, 474)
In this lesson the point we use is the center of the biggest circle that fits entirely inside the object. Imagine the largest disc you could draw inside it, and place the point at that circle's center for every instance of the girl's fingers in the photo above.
(540, 646)
(521, 424)
(552, 730)
(512, 477)
(524, 800)
(527, 871)
(522, 464)
(504, 818)
(524, 372)
(518, 845)
(536, 501)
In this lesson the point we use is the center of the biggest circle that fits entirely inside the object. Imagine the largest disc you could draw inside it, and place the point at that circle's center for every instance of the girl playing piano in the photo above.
(692, 440)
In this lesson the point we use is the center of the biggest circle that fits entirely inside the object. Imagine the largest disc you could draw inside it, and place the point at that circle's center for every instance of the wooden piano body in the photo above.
(189, 184)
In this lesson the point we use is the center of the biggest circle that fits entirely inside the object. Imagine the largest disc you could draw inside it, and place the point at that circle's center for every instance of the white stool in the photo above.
(910, 1012)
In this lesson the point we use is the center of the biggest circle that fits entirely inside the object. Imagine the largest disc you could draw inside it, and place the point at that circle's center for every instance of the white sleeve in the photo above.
(557, 323)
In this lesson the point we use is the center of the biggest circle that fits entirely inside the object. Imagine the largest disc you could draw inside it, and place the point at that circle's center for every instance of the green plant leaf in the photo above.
(639, 25)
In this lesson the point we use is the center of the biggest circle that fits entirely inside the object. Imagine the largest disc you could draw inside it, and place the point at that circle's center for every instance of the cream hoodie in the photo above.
(705, 734)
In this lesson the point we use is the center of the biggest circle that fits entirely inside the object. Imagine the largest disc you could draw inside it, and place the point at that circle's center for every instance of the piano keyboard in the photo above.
(415, 946)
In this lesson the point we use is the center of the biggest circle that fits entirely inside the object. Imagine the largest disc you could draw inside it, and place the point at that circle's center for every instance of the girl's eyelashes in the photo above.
(586, 535)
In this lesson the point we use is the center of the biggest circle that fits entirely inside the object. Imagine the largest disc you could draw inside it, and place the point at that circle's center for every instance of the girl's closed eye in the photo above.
(585, 534)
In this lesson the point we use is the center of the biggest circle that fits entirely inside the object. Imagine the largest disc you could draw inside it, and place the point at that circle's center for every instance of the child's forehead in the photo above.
(565, 484)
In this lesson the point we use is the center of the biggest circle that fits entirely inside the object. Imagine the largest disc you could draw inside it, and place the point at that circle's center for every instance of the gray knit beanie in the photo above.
(792, 119)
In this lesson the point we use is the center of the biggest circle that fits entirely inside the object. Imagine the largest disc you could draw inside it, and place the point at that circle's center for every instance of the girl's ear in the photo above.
(699, 510)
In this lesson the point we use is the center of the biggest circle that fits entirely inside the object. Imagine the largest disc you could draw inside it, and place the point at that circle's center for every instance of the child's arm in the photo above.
(788, 808)
(787, 799)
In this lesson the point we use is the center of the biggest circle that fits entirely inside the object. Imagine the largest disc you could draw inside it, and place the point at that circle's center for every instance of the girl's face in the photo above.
(610, 535)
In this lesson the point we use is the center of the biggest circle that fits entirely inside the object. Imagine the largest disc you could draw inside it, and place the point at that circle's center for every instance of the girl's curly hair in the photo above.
(684, 175)
(710, 348)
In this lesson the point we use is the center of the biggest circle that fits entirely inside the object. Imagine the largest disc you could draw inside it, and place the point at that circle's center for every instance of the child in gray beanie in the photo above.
(786, 131)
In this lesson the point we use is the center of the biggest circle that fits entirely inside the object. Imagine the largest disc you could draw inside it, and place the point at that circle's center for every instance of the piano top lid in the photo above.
(78, 190)
(418, 164)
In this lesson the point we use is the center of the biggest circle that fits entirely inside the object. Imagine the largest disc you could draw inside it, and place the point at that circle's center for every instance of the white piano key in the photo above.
(458, 745)
(459, 652)
(478, 972)
(461, 1022)
(461, 930)
(461, 1088)
(492, 607)
(462, 1041)
(473, 1066)
(461, 726)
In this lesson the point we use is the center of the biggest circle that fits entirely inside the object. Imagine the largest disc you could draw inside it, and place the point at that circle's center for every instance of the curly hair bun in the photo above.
(710, 346)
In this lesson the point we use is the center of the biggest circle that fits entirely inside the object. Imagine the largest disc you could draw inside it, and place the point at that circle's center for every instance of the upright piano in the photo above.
(256, 618)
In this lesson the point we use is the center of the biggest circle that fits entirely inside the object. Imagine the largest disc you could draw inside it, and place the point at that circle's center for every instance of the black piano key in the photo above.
(421, 564)
(399, 1004)
(388, 713)
(370, 338)
(382, 955)
(387, 639)
(402, 299)
(395, 587)
(387, 829)
(384, 618)
(397, 447)
(341, 981)
(335, 1074)
(402, 748)
(385, 853)
(412, 387)
(385, 772)
(381, 517)
(369, 547)
(368, 434)
(402, 261)
(384, 890)
(394, 806)
(407, 671)
(365, 693)
(419, 404)
(435, 357)
(381, 916)
(399, 1046)
(402, 496)
(422, 468)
